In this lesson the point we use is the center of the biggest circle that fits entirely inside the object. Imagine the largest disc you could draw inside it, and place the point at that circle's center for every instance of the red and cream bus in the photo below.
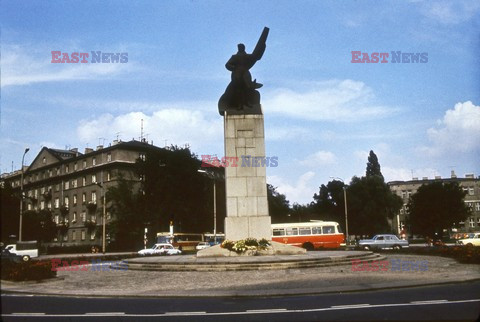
(309, 235)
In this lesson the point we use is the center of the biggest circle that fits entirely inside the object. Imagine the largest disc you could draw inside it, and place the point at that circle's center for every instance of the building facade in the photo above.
(469, 184)
(72, 185)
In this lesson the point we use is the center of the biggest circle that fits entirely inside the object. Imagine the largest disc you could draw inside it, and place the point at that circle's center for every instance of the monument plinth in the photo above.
(245, 179)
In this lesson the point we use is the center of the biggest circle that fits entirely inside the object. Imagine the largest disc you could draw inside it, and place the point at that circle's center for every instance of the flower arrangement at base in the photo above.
(249, 244)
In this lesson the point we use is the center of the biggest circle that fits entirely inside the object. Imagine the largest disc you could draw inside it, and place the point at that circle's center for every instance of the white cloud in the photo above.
(319, 158)
(300, 192)
(450, 12)
(177, 126)
(345, 100)
(23, 66)
(458, 131)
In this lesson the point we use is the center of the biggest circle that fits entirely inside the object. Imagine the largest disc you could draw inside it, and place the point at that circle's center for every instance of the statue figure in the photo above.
(241, 95)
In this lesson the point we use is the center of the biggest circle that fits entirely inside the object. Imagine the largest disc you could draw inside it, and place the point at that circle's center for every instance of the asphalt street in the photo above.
(458, 301)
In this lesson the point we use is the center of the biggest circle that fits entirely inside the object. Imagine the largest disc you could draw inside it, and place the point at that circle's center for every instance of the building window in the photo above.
(83, 216)
(477, 206)
(57, 219)
(74, 233)
(57, 187)
(57, 203)
(83, 235)
(74, 200)
(84, 197)
(74, 219)
(108, 176)
(50, 173)
(42, 190)
(74, 183)
(478, 221)
(94, 197)
(93, 218)
(472, 223)
(67, 169)
(109, 157)
(84, 181)
(94, 178)
(49, 205)
(142, 156)
(58, 171)
(75, 166)
(66, 201)
(65, 237)
(471, 191)
(42, 205)
(92, 235)
(84, 163)
(67, 185)
(44, 160)
(94, 161)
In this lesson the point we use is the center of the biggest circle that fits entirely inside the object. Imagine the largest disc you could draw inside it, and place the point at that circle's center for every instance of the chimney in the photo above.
(424, 178)
(470, 176)
(88, 150)
(452, 174)
(438, 177)
(99, 147)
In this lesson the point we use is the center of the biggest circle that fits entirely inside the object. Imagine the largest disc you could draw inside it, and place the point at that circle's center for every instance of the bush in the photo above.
(27, 271)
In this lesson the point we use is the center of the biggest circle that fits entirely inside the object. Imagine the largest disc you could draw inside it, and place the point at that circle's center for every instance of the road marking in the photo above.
(429, 302)
(250, 312)
(349, 306)
(266, 310)
(186, 313)
(105, 313)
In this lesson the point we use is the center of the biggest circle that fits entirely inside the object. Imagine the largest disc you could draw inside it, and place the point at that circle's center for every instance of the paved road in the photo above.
(459, 301)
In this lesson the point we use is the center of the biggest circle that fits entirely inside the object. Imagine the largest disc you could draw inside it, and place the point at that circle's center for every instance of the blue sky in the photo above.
(323, 114)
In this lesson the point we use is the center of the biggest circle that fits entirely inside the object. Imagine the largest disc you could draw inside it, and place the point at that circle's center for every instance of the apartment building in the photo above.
(469, 184)
(72, 185)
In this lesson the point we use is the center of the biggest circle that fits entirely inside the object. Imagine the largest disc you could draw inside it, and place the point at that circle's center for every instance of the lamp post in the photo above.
(21, 196)
(346, 211)
(104, 215)
(214, 205)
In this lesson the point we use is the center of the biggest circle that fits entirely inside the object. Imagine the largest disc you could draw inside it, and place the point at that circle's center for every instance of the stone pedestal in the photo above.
(245, 177)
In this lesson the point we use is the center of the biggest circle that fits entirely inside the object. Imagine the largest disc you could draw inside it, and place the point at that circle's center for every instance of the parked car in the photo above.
(26, 249)
(473, 239)
(382, 241)
(202, 245)
(7, 256)
(160, 249)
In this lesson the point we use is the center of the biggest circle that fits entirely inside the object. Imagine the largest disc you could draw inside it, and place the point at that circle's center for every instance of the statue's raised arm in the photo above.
(242, 91)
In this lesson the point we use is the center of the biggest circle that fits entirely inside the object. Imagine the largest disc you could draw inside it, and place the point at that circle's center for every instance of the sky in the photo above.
(323, 112)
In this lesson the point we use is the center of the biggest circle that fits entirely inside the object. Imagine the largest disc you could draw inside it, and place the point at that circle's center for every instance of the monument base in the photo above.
(258, 227)
(276, 249)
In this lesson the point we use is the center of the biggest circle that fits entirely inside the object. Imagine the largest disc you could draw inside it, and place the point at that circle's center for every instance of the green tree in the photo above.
(38, 225)
(9, 212)
(330, 202)
(370, 205)
(437, 206)
(278, 205)
(373, 166)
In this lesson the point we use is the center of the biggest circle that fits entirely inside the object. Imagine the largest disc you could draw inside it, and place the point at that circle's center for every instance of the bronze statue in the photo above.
(241, 95)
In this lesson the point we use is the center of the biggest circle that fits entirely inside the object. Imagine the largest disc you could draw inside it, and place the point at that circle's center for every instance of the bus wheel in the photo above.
(397, 247)
(26, 258)
(308, 246)
(366, 247)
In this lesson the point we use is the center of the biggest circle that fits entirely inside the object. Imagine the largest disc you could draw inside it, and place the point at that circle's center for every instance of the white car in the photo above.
(160, 249)
(472, 240)
(202, 245)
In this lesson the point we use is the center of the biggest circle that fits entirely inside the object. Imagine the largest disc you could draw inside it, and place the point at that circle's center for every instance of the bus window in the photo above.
(292, 231)
(339, 229)
(316, 230)
(328, 229)
(305, 231)
(279, 232)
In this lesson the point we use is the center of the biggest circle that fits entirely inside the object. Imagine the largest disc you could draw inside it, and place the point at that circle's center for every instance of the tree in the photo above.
(330, 202)
(437, 206)
(38, 225)
(9, 212)
(370, 204)
(373, 166)
(278, 205)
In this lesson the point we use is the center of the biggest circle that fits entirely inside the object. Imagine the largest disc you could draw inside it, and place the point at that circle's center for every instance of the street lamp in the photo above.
(21, 196)
(104, 216)
(346, 212)
(214, 205)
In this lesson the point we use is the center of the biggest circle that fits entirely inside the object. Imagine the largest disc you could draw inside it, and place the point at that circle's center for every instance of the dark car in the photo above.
(7, 256)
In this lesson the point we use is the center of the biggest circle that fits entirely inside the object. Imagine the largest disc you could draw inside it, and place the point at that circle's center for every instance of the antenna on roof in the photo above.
(141, 131)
